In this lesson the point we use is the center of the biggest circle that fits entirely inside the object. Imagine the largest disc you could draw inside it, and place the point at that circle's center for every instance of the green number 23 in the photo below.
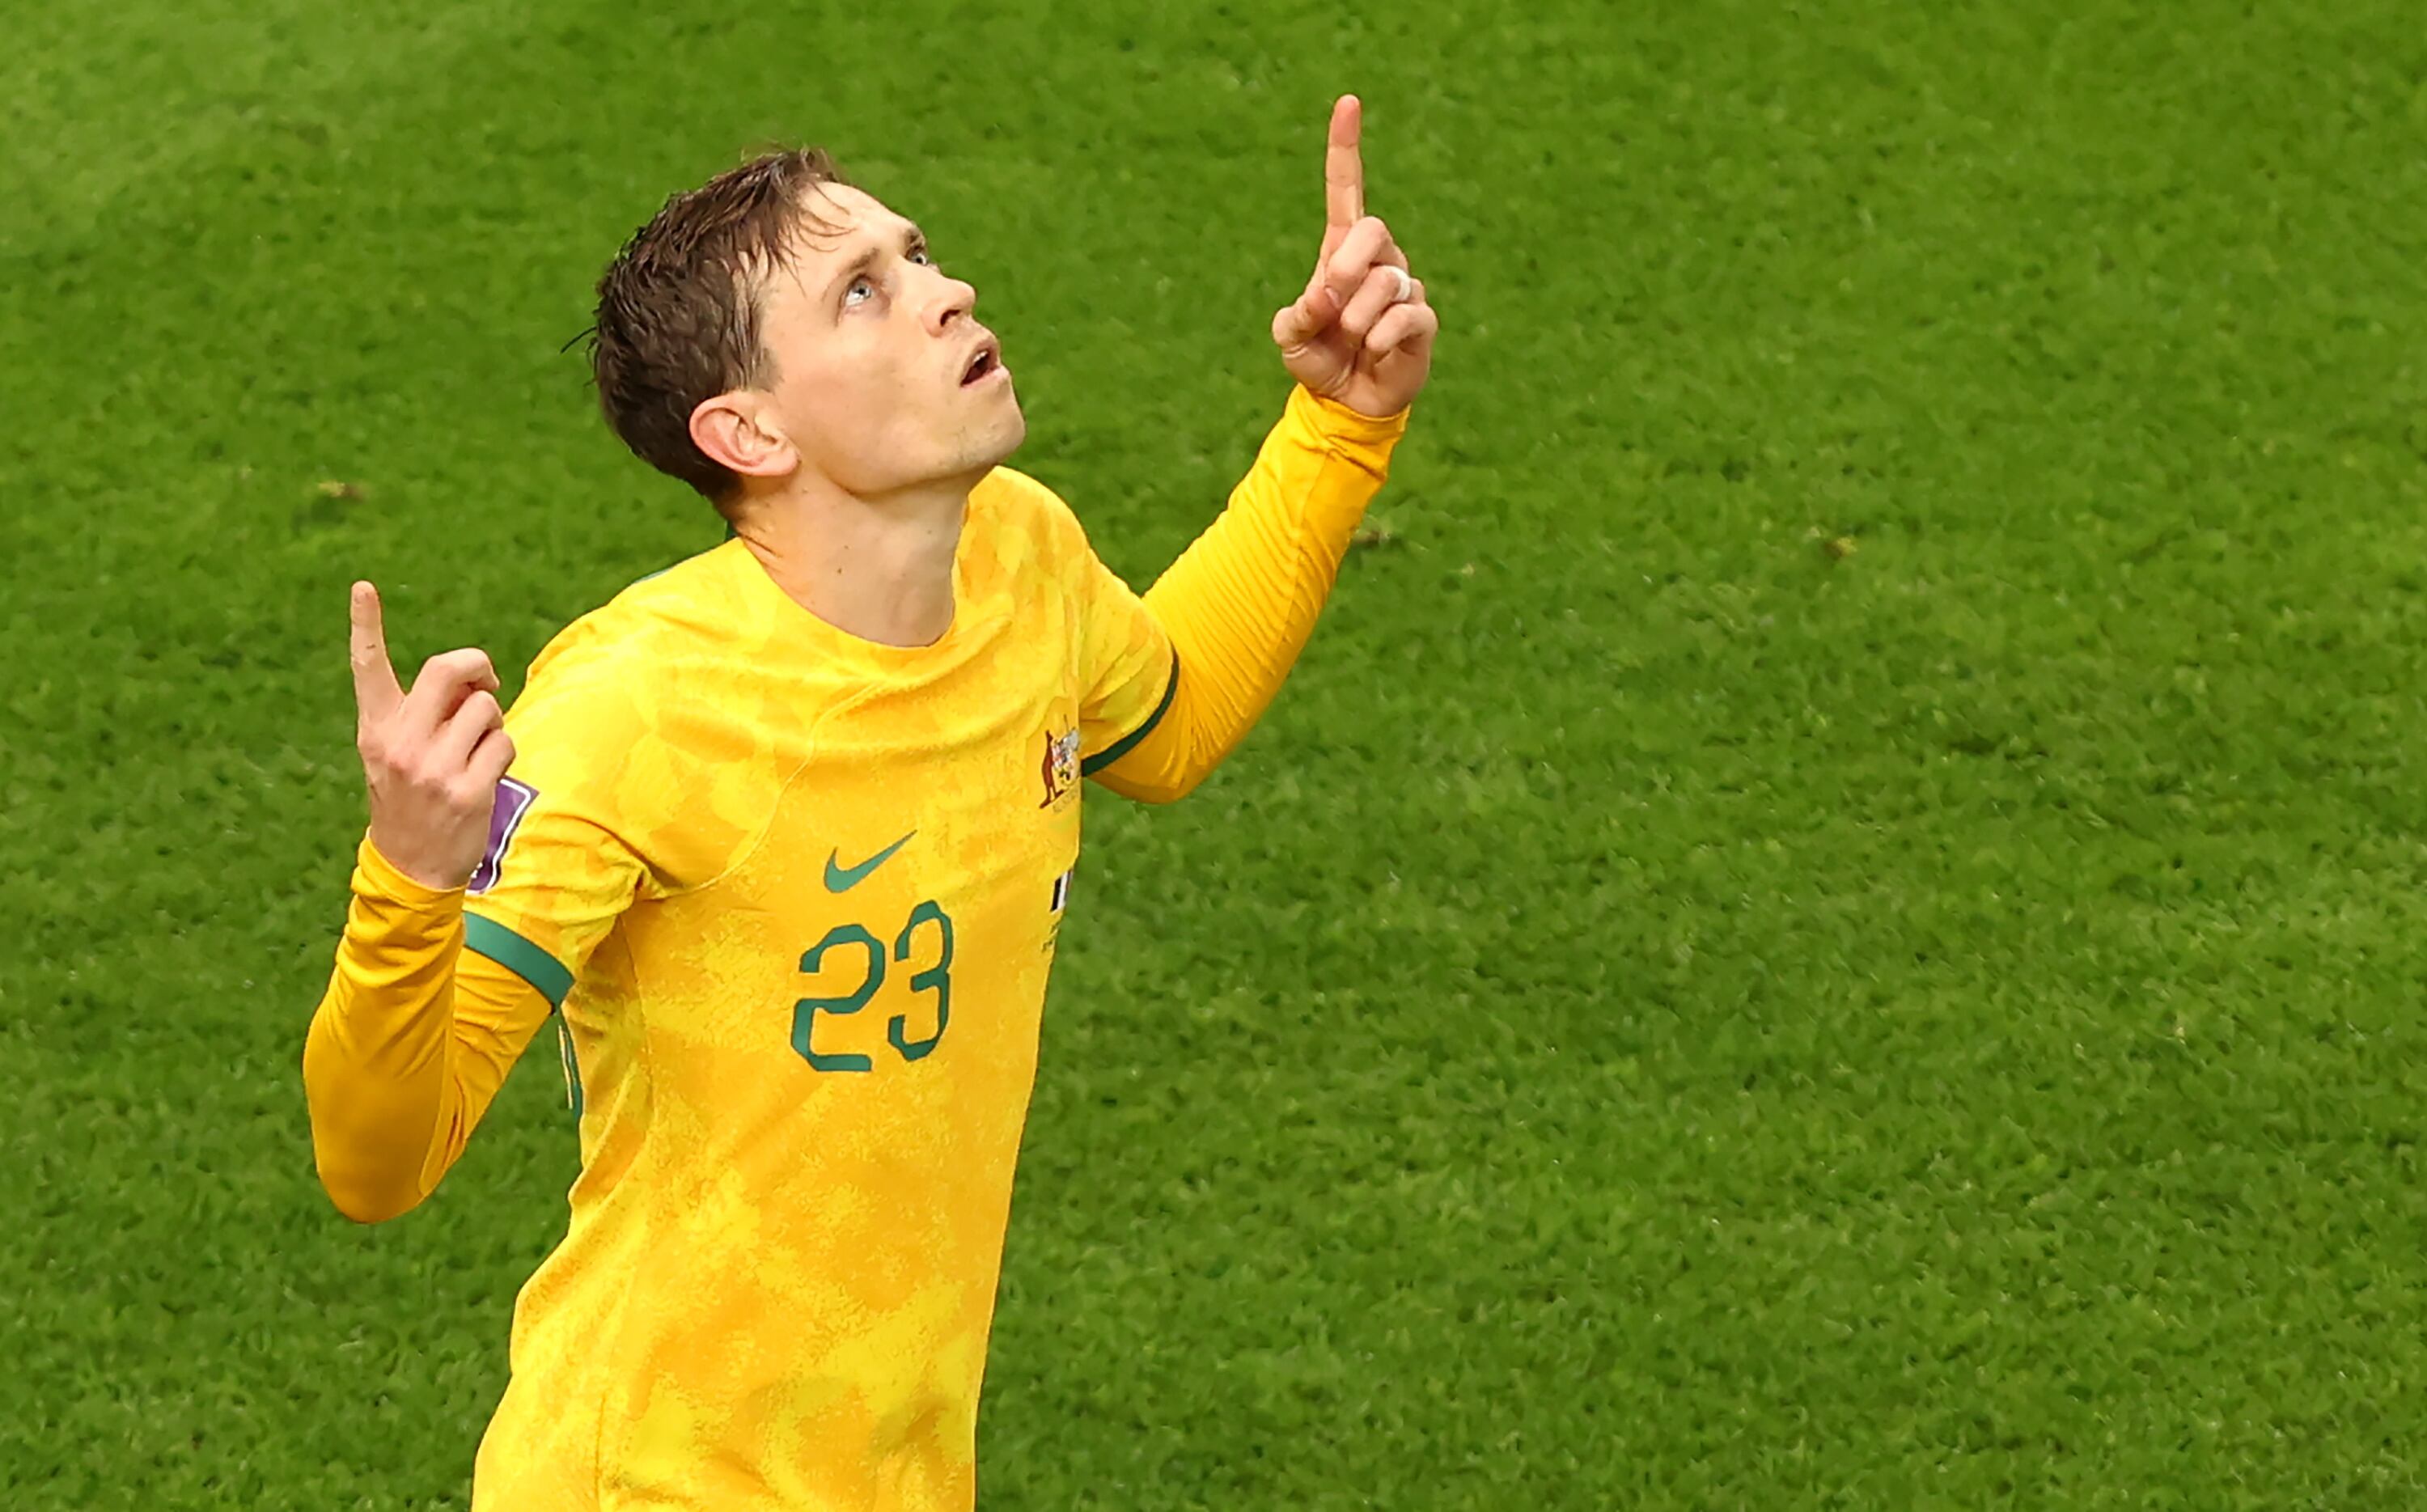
(937, 978)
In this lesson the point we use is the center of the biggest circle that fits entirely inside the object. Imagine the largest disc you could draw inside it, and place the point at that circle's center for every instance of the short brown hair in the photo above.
(678, 308)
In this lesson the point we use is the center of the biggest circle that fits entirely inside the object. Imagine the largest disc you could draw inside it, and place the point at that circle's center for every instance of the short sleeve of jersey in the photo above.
(563, 860)
(1128, 671)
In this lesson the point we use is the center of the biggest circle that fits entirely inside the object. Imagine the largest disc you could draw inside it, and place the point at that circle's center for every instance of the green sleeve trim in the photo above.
(1127, 743)
(488, 937)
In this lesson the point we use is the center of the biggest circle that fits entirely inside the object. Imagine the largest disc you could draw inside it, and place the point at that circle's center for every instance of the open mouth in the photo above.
(983, 365)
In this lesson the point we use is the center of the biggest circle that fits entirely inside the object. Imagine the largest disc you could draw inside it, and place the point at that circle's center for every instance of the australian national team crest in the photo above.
(1061, 767)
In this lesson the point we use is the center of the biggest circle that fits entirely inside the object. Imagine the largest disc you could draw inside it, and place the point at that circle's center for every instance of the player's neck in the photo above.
(881, 570)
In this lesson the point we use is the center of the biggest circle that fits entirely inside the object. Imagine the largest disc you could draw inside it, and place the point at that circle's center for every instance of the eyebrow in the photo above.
(911, 236)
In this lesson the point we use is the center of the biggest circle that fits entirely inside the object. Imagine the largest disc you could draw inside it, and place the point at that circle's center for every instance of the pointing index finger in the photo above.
(1343, 168)
(376, 690)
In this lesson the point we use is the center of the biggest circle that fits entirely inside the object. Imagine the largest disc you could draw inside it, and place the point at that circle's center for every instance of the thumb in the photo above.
(1294, 325)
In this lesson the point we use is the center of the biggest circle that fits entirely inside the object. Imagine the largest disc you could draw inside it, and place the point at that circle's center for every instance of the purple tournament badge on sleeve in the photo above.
(514, 800)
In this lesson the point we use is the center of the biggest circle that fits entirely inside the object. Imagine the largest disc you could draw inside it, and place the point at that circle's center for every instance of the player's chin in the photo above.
(997, 434)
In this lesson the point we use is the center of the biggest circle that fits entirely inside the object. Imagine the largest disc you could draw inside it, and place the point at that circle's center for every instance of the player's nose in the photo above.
(951, 303)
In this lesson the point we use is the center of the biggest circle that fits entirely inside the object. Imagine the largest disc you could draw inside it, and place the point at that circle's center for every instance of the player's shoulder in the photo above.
(642, 638)
(695, 604)
(1019, 500)
(1022, 513)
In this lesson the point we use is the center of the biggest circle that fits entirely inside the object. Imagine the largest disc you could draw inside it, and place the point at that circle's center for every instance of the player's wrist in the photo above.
(397, 871)
(1336, 420)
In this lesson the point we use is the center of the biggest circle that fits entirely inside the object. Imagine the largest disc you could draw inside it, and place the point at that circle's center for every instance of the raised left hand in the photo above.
(1362, 332)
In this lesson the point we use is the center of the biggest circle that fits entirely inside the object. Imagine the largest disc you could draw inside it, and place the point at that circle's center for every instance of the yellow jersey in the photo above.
(792, 897)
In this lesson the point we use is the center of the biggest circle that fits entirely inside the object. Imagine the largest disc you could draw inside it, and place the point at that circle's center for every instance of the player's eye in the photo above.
(922, 255)
(862, 289)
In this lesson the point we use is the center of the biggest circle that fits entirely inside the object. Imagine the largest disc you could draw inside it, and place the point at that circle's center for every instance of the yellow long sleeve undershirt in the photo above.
(1240, 603)
(410, 1043)
(413, 1036)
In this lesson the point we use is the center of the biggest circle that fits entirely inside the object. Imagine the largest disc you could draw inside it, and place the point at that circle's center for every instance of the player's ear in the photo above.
(736, 432)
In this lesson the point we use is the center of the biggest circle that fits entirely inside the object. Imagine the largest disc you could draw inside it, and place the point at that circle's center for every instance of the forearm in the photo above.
(384, 1076)
(1241, 602)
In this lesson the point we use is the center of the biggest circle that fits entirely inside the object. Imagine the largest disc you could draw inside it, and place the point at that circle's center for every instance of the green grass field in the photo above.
(1666, 1013)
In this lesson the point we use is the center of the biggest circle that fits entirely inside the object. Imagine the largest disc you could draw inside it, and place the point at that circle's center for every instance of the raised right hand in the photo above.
(1362, 332)
(432, 758)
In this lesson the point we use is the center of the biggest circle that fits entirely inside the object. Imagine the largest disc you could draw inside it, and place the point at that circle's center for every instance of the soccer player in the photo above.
(781, 837)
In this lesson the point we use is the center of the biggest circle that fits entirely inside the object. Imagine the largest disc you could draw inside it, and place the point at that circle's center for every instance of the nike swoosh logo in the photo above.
(843, 878)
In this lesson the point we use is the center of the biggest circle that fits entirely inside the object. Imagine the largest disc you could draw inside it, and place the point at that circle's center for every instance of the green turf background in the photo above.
(1661, 1014)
